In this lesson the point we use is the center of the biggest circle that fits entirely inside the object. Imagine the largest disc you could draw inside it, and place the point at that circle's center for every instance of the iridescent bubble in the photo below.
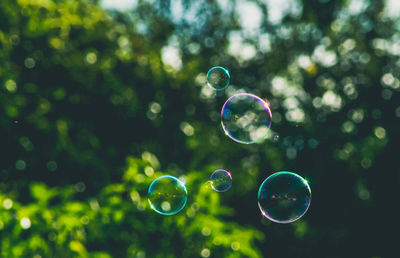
(218, 78)
(246, 118)
(284, 197)
(167, 195)
(221, 180)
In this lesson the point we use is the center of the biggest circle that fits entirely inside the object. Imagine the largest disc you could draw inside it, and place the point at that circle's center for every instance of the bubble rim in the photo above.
(225, 71)
(277, 174)
(264, 104)
(179, 182)
(230, 176)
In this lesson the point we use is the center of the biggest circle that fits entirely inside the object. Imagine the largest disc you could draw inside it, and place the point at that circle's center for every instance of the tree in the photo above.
(83, 88)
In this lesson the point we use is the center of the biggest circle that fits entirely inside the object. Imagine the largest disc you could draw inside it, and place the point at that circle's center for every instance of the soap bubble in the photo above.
(218, 78)
(246, 118)
(221, 180)
(167, 195)
(284, 197)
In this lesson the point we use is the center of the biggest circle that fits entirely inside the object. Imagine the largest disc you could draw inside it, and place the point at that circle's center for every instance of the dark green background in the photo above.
(80, 142)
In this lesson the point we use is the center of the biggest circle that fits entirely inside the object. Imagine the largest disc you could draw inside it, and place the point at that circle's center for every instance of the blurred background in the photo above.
(99, 98)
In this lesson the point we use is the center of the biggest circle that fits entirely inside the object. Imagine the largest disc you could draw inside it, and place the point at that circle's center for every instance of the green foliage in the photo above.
(82, 89)
(118, 222)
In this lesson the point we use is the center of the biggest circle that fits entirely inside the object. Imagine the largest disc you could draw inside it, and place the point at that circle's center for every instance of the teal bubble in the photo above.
(218, 78)
(246, 118)
(221, 180)
(284, 197)
(167, 195)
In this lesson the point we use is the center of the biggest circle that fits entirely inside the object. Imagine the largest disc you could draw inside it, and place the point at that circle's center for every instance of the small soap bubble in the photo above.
(246, 118)
(284, 197)
(218, 78)
(221, 180)
(167, 195)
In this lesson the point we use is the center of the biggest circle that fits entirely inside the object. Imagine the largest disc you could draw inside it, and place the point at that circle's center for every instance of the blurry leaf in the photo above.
(99, 255)
(40, 192)
(79, 248)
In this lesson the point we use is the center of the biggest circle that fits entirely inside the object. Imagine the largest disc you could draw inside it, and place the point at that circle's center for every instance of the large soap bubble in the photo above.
(246, 118)
(167, 195)
(284, 197)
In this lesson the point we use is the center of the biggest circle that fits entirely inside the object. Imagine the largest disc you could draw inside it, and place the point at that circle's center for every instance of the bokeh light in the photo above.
(246, 118)
(167, 195)
(284, 197)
